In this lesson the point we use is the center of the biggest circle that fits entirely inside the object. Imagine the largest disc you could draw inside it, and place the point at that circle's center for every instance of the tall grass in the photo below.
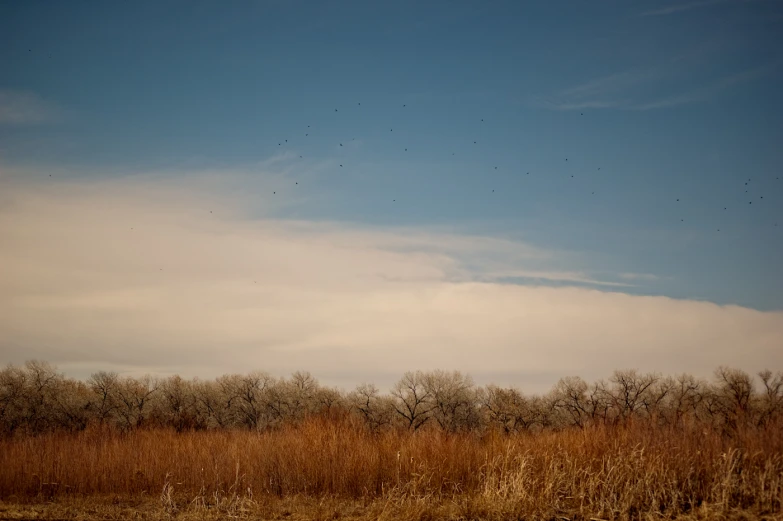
(609, 471)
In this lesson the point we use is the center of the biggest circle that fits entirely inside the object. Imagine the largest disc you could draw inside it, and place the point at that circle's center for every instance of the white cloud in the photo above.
(25, 108)
(677, 8)
(630, 90)
(136, 274)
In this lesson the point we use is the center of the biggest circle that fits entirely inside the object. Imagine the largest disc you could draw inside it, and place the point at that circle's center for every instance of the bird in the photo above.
(360, 104)
(335, 110)
(474, 142)
(482, 120)
(297, 182)
(341, 166)
(300, 157)
(678, 199)
(286, 141)
(341, 144)
(496, 168)
(404, 105)
(307, 135)
(566, 159)
(406, 149)
(581, 113)
(273, 193)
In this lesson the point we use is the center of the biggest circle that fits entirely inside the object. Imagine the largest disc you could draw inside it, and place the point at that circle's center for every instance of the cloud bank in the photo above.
(196, 275)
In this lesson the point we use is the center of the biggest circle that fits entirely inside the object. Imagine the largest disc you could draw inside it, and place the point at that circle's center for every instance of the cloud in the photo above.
(639, 276)
(630, 90)
(25, 108)
(677, 8)
(136, 274)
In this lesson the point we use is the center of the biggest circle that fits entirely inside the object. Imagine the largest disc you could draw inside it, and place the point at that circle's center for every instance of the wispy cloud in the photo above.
(630, 90)
(25, 108)
(639, 276)
(677, 8)
(160, 274)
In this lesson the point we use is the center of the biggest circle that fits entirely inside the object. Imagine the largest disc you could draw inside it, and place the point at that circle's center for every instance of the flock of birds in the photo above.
(307, 132)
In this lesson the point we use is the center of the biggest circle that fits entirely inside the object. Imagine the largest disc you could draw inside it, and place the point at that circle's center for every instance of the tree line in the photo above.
(36, 398)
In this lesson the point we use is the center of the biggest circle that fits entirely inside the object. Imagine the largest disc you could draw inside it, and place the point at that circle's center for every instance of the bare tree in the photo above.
(734, 396)
(104, 388)
(374, 409)
(134, 397)
(411, 400)
(771, 401)
(570, 397)
(13, 383)
(453, 400)
(248, 397)
(509, 410)
(631, 391)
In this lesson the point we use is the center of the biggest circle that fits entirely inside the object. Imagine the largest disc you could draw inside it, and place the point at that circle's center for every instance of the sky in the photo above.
(517, 190)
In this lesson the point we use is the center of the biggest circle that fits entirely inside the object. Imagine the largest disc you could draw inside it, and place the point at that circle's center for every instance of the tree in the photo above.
(134, 397)
(374, 409)
(411, 397)
(453, 400)
(104, 389)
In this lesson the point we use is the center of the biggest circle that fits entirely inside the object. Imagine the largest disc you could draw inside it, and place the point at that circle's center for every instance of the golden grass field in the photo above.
(333, 468)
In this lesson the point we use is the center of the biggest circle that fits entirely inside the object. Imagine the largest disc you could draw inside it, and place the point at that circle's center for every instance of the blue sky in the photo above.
(572, 127)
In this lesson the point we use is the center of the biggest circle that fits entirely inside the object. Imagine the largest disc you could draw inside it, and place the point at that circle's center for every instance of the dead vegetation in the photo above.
(335, 467)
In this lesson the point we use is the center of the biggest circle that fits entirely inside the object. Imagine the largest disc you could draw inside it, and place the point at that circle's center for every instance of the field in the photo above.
(335, 468)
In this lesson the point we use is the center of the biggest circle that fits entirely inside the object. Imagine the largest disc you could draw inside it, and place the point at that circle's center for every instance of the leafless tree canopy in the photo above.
(36, 398)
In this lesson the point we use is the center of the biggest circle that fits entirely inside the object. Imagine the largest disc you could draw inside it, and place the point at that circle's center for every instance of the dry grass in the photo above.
(335, 469)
